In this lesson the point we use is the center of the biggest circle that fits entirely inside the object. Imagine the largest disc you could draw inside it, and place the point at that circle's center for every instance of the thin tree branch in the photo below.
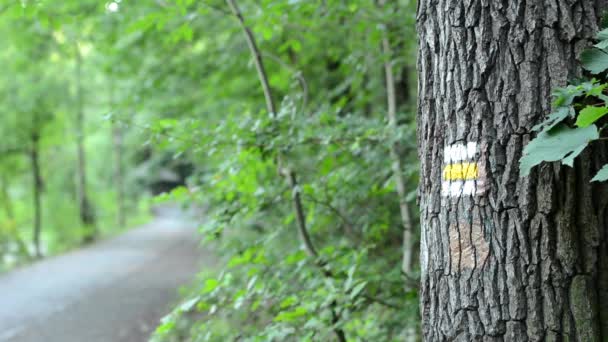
(291, 175)
(257, 57)
(391, 98)
(271, 107)
(300, 217)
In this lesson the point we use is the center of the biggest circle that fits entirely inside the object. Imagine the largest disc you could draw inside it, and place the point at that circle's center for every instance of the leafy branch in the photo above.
(290, 174)
(577, 120)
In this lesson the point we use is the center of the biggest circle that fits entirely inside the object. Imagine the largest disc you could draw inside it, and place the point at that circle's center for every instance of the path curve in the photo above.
(113, 291)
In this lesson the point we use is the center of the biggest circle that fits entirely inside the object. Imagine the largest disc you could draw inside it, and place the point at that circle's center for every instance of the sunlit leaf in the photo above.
(589, 115)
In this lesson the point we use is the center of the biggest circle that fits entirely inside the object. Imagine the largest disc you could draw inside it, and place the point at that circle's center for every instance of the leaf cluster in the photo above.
(578, 119)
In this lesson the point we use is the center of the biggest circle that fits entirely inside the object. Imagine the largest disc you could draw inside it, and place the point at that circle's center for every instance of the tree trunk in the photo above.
(505, 258)
(87, 216)
(397, 164)
(119, 177)
(37, 193)
(117, 141)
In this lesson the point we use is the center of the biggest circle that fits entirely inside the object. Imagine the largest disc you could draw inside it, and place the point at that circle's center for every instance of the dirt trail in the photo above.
(113, 291)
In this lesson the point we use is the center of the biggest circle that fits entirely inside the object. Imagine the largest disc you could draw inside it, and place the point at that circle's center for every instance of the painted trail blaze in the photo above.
(462, 171)
(461, 174)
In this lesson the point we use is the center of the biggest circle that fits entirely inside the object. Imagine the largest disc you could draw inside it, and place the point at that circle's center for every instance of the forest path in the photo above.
(115, 290)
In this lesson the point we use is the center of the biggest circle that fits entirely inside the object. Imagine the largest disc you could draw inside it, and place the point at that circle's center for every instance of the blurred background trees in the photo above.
(164, 97)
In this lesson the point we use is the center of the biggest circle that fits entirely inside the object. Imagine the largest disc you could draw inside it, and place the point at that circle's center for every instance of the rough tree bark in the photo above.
(505, 258)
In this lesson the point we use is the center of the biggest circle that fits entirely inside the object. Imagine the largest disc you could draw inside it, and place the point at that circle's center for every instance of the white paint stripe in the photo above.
(460, 152)
(470, 188)
(471, 150)
(458, 188)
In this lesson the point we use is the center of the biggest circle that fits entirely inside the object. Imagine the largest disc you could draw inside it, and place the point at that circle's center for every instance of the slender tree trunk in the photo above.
(37, 192)
(408, 244)
(505, 258)
(87, 216)
(406, 218)
(119, 178)
(117, 141)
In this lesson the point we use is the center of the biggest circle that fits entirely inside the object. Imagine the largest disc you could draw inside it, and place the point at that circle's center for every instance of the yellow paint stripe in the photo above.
(461, 171)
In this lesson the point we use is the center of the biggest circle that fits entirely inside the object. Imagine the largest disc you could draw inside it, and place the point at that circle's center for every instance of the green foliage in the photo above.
(38, 99)
(590, 115)
(560, 143)
(583, 105)
(330, 127)
(178, 75)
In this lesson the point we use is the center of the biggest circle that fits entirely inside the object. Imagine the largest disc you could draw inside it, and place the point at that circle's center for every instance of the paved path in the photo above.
(113, 291)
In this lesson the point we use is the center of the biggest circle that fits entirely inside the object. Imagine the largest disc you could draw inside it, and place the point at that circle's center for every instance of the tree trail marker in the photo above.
(461, 173)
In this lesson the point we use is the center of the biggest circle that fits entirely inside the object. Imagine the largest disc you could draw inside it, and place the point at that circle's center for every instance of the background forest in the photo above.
(291, 122)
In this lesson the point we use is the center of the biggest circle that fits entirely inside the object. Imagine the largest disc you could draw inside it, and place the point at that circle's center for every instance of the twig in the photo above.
(257, 57)
(297, 203)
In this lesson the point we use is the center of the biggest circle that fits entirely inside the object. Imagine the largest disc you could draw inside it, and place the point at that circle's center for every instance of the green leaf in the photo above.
(189, 304)
(296, 257)
(602, 36)
(594, 88)
(569, 160)
(602, 175)
(210, 285)
(290, 316)
(565, 96)
(589, 115)
(602, 45)
(595, 60)
(554, 118)
(165, 328)
(357, 289)
(351, 274)
(562, 142)
(289, 301)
